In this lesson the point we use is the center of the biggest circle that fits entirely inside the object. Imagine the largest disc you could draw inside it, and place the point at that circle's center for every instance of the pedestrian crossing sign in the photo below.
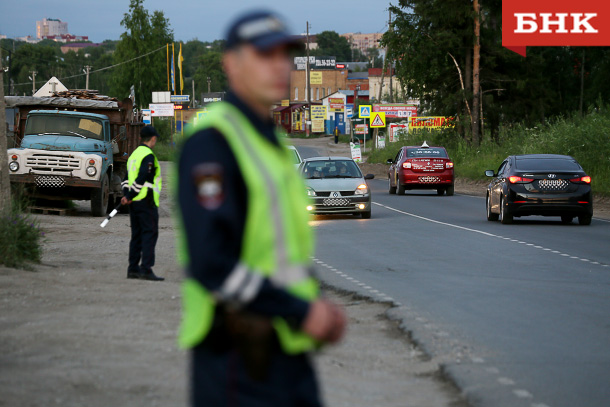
(364, 111)
(378, 119)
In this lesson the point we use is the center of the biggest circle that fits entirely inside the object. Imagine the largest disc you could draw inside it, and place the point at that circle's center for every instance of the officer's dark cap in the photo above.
(148, 132)
(262, 29)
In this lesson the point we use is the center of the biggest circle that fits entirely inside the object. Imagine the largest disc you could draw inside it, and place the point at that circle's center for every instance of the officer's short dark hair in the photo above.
(147, 133)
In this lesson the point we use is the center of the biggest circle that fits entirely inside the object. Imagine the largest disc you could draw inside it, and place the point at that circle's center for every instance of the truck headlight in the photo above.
(91, 171)
(13, 166)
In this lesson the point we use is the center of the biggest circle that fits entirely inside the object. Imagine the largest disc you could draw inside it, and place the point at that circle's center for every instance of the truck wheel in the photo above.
(100, 197)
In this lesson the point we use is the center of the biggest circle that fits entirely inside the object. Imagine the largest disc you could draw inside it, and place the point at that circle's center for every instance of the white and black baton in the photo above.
(110, 216)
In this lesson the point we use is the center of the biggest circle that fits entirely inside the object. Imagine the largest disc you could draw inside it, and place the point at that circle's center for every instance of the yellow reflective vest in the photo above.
(133, 169)
(277, 241)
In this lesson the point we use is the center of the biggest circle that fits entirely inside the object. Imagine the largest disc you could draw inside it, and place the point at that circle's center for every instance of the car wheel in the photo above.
(505, 217)
(450, 190)
(400, 189)
(584, 220)
(391, 189)
(565, 219)
(440, 191)
(490, 215)
(366, 215)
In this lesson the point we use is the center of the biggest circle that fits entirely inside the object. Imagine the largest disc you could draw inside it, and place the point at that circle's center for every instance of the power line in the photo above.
(101, 69)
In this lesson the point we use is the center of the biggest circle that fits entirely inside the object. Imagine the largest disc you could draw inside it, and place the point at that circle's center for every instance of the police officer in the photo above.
(252, 310)
(141, 191)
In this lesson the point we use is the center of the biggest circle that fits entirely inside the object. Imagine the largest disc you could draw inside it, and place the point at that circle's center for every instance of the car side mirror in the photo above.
(369, 176)
(490, 173)
(389, 161)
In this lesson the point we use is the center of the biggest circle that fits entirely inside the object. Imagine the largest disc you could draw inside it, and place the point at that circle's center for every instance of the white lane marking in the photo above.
(539, 405)
(485, 233)
(522, 394)
(506, 381)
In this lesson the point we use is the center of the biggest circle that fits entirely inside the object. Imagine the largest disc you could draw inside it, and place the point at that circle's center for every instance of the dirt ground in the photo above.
(601, 205)
(76, 332)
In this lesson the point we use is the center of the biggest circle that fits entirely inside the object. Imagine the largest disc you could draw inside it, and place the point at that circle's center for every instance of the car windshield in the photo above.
(295, 157)
(64, 126)
(426, 152)
(331, 169)
(547, 164)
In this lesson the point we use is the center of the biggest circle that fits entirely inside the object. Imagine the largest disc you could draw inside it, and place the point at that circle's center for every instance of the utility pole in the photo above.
(582, 80)
(387, 51)
(307, 84)
(193, 101)
(86, 71)
(33, 78)
(209, 84)
(476, 84)
(5, 185)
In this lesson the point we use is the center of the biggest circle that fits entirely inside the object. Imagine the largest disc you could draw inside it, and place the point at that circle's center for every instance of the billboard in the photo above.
(318, 112)
(325, 62)
(161, 109)
(396, 110)
(336, 104)
(431, 122)
(212, 97)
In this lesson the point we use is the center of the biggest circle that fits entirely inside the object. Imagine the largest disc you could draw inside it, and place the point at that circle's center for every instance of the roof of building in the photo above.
(357, 75)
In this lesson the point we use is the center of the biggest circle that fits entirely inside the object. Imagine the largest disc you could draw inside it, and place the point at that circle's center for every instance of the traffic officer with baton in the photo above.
(141, 191)
(252, 311)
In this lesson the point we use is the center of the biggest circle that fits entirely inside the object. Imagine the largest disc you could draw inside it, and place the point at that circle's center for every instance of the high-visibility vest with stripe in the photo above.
(133, 169)
(277, 241)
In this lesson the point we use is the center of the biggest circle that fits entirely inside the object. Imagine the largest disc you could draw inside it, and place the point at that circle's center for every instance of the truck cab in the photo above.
(71, 155)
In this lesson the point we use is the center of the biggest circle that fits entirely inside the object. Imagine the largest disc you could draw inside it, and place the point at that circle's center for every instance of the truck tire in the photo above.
(100, 197)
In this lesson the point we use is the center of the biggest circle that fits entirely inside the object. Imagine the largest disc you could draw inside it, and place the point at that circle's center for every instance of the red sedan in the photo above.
(421, 167)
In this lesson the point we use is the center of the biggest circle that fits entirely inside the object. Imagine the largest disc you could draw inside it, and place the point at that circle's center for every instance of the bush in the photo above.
(584, 138)
(20, 240)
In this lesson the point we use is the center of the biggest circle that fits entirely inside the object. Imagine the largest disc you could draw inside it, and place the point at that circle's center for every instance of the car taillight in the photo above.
(585, 179)
(406, 165)
(448, 165)
(513, 179)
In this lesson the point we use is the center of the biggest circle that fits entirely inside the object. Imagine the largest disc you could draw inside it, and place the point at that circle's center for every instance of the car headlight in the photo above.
(91, 171)
(362, 189)
(13, 166)
(311, 192)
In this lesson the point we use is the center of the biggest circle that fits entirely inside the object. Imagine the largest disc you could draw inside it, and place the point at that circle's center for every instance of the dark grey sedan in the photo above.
(336, 186)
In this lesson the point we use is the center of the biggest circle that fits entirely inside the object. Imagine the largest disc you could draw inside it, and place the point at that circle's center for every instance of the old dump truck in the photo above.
(71, 149)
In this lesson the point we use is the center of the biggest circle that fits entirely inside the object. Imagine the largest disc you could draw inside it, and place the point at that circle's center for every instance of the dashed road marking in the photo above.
(506, 381)
(490, 235)
(522, 394)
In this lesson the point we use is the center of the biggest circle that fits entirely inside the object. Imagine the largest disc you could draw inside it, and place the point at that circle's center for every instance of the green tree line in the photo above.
(433, 45)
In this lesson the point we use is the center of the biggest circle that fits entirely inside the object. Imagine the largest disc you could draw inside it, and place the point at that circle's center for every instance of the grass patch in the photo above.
(20, 239)
(584, 138)
(164, 151)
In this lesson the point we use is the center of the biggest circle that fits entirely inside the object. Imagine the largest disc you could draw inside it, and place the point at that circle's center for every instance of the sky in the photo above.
(205, 20)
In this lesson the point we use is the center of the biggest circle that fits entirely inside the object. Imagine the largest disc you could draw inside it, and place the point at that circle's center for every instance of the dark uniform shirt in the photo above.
(146, 174)
(213, 200)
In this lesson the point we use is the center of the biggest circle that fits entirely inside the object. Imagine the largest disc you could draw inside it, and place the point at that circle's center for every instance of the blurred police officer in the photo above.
(252, 310)
(141, 191)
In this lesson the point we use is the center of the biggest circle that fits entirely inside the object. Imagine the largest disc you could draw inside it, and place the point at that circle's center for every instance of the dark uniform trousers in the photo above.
(220, 379)
(144, 218)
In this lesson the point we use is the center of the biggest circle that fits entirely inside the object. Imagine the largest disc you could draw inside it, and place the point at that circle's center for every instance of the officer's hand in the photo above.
(325, 321)
(125, 201)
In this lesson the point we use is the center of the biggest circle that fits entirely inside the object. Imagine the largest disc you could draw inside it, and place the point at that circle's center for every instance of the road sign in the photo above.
(378, 119)
(364, 111)
(161, 109)
(180, 98)
(146, 116)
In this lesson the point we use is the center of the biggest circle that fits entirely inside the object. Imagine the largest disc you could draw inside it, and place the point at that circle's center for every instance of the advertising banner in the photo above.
(396, 110)
(317, 126)
(356, 153)
(323, 62)
(336, 104)
(318, 112)
(361, 129)
(315, 78)
(161, 109)
(395, 131)
(432, 122)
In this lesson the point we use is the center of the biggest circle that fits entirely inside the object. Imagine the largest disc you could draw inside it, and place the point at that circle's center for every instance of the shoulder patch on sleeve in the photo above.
(208, 180)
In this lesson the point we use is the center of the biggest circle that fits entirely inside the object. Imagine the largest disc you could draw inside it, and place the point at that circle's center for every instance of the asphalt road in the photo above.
(518, 315)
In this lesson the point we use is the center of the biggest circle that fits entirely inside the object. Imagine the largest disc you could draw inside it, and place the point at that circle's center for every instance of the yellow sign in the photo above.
(318, 112)
(432, 122)
(285, 102)
(200, 115)
(315, 78)
(317, 126)
(378, 119)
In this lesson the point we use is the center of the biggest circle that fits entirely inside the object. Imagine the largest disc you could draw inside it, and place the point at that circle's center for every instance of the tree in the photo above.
(332, 44)
(144, 34)
(5, 184)
(210, 66)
